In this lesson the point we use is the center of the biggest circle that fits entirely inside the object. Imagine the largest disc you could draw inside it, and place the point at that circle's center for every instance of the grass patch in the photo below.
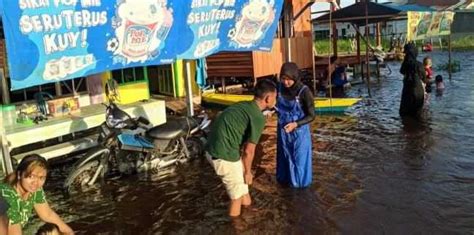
(466, 42)
(344, 45)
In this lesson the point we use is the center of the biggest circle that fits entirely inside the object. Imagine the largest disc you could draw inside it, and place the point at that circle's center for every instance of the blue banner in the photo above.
(54, 40)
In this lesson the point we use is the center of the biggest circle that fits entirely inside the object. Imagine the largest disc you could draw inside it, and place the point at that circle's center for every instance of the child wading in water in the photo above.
(427, 63)
(439, 85)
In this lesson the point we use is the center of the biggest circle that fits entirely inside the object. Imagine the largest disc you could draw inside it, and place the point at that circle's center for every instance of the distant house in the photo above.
(464, 9)
(345, 30)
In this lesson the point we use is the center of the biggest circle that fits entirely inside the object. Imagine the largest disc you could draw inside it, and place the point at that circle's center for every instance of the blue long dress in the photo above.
(294, 149)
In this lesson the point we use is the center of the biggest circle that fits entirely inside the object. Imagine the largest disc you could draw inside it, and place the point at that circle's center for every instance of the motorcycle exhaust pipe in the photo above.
(157, 164)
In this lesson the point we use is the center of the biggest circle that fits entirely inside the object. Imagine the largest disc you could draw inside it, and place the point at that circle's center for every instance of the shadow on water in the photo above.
(373, 172)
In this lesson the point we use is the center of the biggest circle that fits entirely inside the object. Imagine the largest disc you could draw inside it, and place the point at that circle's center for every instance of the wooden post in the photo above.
(378, 35)
(334, 38)
(329, 68)
(449, 60)
(223, 88)
(378, 32)
(287, 21)
(57, 87)
(4, 87)
(6, 159)
(189, 90)
(359, 61)
(335, 34)
(5, 151)
(314, 70)
(367, 45)
(379, 44)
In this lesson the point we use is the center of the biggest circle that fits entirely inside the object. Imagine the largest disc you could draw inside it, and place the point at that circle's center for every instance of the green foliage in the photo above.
(466, 42)
(344, 45)
(322, 46)
(459, 43)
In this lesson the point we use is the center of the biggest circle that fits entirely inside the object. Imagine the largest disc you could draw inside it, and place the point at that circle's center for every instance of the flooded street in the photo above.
(372, 173)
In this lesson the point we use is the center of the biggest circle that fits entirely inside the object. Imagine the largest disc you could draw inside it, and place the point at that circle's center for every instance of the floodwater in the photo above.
(373, 173)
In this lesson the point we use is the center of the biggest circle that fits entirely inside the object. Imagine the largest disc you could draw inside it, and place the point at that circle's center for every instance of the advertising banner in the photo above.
(54, 40)
(423, 25)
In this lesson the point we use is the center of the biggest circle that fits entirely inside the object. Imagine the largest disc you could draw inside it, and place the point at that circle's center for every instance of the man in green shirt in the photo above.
(239, 127)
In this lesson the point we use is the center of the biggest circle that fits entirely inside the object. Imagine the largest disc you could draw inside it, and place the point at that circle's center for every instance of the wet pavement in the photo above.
(372, 173)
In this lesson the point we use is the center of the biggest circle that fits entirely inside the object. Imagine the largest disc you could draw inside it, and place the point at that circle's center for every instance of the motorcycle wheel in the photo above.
(195, 147)
(78, 180)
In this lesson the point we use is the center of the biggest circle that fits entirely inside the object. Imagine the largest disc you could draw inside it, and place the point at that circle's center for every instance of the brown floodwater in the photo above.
(373, 173)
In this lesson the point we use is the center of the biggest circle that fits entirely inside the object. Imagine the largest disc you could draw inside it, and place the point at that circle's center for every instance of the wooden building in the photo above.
(259, 64)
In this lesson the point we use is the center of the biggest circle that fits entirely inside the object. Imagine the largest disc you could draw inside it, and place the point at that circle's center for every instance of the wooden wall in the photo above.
(269, 63)
(301, 51)
(302, 25)
(3, 56)
(230, 64)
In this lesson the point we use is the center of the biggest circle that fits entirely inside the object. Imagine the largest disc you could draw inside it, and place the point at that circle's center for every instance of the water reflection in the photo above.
(373, 173)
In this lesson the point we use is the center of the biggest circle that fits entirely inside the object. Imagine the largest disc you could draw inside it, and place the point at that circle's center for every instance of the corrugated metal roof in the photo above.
(355, 14)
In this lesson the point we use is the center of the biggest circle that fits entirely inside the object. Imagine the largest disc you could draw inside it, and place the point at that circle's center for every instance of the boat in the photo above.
(321, 104)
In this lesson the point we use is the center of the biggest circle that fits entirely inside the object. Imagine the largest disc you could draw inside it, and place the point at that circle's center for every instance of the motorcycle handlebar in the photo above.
(143, 120)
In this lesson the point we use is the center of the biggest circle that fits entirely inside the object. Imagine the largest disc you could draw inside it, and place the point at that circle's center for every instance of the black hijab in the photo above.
(410, 64)
(290, 70)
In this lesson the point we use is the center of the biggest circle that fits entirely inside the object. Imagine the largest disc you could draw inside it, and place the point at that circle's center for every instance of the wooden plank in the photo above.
(302, 25)
(230, 64)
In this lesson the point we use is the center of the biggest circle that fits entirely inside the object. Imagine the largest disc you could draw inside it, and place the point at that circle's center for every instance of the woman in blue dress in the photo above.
(295, 113)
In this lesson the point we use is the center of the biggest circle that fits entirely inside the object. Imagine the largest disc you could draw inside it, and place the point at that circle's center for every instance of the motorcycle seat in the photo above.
(173, 128)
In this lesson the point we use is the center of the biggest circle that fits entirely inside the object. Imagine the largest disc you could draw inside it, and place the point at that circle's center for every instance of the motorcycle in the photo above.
(130, 145)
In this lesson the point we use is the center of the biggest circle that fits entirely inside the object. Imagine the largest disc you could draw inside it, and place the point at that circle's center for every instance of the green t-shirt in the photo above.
(19, 210)
(240, 123)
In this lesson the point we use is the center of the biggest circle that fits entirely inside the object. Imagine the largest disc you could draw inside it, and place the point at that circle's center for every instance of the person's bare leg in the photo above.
(3, 224)
(235, 207)
(246, 200)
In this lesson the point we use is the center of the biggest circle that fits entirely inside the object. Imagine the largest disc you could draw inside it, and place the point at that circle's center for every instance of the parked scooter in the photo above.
(128, 145)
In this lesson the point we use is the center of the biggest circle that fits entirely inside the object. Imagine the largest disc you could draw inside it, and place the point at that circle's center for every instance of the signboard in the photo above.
(54, 40)
(423, 25)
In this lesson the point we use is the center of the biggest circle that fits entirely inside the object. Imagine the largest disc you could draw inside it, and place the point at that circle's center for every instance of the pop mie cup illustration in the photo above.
(137, 39)
(142, 19)
(254, 18)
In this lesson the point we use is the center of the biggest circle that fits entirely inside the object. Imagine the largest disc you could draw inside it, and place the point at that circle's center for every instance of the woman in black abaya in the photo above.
(413, 93)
